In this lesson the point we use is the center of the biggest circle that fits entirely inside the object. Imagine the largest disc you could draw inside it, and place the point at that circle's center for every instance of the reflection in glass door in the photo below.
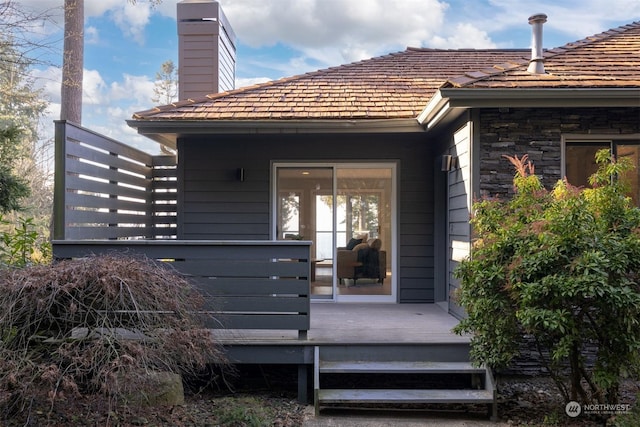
(346, 210)
(305, 212)
(364, 218)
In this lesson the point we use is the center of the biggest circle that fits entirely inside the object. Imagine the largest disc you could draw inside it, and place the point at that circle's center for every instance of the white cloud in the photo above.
(366, 27)
(91, 35)
(336, 31)
(166, 8)
(132, 19)
(574, 18)
(93, 87)
(244, 82)
(465, 36)
(138, 89)
(118, 101)
(106, 107)
(332, 32)
(48, 81)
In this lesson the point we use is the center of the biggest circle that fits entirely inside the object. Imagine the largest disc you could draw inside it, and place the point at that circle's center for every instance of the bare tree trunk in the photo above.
(72, 62)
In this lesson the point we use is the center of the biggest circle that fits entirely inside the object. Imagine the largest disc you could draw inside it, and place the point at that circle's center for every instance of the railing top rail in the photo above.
(104, 242)
(73, 127)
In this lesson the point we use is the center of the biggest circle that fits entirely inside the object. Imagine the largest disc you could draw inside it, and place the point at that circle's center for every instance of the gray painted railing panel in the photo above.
(246, 284)
(96, 175)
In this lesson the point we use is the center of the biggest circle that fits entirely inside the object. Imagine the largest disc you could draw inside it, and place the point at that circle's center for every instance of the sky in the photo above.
(126, 44)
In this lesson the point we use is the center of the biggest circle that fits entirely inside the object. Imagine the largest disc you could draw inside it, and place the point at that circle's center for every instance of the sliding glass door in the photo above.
(347, 211)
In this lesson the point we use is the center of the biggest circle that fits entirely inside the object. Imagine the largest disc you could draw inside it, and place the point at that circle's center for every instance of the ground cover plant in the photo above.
(96, 327)
(21, 244)
(560, 267)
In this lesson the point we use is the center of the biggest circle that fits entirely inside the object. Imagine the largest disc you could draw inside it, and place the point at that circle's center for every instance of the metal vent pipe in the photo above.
(536, 64)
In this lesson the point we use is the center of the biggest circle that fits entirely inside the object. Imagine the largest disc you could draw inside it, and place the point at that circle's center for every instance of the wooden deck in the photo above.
(384, 333)
(359, 323)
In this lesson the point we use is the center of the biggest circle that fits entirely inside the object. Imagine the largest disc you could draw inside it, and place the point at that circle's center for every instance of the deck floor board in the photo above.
(359, 323)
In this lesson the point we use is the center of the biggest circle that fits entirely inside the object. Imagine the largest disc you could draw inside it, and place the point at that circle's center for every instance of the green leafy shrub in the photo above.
(559, 267)
(22, 244)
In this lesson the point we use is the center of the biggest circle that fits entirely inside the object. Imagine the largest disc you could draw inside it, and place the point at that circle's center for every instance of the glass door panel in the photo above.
(289, 215)
(364, 197)
(305, 212)
(337, 206)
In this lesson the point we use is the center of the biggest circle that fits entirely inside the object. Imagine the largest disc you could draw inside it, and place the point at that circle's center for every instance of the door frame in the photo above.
(391, 259)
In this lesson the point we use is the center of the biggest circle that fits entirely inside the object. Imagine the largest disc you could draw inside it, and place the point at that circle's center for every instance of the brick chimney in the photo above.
(207, 51)
(536, 64)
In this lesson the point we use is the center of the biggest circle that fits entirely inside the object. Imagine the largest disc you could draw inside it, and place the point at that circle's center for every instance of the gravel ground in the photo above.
(522, 401)
(536, 401)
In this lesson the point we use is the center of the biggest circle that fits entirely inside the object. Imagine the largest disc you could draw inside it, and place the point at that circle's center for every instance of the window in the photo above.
(580, 161)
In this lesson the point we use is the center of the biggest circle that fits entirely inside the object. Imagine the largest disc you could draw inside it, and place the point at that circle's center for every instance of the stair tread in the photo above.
(352, 366)
(404, 396)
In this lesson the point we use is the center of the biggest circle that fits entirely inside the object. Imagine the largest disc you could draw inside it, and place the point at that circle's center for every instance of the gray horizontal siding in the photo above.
(416, 215)
(213, 204)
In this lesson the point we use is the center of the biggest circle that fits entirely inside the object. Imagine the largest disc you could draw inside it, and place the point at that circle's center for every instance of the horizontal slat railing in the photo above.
(105, 189)
(246, 284)
(165, 193)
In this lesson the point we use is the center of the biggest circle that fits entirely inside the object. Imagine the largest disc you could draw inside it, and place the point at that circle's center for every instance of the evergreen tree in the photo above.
(12, 187)
(20, 109)
(25, 187)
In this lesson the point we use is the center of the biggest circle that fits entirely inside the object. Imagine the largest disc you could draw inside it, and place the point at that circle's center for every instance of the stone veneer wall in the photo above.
(538, 132)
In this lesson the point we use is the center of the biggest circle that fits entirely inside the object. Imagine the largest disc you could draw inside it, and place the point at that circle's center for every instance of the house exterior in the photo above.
(396, 148)
(352, 184)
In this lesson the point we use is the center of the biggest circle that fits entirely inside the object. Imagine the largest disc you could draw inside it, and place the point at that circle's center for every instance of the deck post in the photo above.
(316, 380)
(302, 383)
(59, 231)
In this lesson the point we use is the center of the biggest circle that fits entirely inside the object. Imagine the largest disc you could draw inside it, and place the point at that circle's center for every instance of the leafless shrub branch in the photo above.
(86, 326)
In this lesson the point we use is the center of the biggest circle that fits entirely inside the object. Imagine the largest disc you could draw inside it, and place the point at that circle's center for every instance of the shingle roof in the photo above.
(607, 60)
(399, 85)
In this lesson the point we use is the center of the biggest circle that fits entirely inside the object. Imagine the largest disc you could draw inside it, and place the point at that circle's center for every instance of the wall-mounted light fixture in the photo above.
(240, 174)
(448, 163)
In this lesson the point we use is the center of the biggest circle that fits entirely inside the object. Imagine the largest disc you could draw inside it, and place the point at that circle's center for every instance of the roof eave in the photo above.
(167, 132)
(449, 101)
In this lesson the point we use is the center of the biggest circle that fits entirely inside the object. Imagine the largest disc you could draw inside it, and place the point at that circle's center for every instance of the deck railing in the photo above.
(105, 189)
(247, 284)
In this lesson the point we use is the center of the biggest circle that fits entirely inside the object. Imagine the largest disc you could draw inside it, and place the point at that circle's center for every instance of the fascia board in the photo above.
(171, 129)
(561, 97)
(447, 100)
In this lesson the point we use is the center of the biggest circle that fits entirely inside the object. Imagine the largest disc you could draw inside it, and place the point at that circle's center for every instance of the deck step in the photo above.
(399, 367)
(375, 379)
(404, 396)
